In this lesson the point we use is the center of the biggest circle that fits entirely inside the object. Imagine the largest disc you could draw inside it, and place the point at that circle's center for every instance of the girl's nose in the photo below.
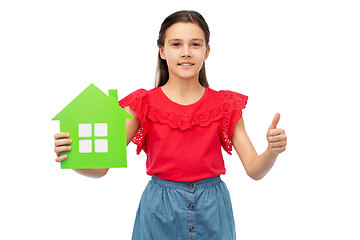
(186, 53)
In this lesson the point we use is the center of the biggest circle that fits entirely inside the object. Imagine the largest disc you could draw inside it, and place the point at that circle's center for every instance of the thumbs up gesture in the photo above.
(276, 136)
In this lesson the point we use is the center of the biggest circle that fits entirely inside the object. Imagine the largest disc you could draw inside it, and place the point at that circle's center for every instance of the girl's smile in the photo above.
(186, 65)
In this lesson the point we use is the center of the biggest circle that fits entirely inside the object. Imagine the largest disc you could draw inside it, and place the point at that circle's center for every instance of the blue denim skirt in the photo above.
(178, 210)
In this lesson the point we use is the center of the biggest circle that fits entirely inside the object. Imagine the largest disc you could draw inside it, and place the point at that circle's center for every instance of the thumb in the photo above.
(275, 121)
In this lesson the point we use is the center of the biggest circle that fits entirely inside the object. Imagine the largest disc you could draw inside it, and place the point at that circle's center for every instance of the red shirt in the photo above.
(183, 142)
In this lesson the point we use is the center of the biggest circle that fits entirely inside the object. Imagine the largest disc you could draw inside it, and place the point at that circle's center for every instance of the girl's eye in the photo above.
(196, 44)
(176, 44)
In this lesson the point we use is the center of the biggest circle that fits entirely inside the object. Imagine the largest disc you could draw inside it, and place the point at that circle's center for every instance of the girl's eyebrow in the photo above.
(180, 40)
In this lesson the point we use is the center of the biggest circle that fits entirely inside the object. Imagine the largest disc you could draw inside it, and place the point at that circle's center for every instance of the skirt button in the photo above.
(191, 186)
(191, 229)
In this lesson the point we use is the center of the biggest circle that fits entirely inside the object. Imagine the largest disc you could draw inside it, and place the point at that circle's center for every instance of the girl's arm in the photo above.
(132, 125)
(257, 166)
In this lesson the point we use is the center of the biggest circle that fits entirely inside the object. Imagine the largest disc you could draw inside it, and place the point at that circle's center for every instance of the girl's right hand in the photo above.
(60, 141)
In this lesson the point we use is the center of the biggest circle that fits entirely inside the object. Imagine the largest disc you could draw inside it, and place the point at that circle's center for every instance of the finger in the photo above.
(277, 139)
(277, 144)
(276, 132)
(278, 150)
(275, 121)
(61, 135)
(61, 158)
(61, 149)
(62, 142)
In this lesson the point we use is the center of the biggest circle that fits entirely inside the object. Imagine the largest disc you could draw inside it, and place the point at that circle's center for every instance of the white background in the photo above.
(299, 58)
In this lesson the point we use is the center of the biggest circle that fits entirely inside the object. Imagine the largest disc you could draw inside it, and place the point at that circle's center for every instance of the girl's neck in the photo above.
(184, 91)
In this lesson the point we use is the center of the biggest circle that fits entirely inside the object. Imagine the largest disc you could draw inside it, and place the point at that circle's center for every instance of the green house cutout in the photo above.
(97, 127)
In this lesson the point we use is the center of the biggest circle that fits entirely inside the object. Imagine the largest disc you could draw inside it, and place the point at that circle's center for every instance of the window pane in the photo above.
(85, 130)
(85, 146)
(100, 129)
(101, 145)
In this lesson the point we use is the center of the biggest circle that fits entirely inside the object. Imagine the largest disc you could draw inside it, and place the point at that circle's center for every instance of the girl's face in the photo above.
(184, 50)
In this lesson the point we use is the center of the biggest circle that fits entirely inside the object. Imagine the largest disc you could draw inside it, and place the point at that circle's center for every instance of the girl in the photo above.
(182, 124)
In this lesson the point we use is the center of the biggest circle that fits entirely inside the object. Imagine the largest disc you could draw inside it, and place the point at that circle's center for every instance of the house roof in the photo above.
(92, 103)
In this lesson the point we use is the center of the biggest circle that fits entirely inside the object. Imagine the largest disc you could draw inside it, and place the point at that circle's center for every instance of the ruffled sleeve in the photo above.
(231, 104)
(139, 102)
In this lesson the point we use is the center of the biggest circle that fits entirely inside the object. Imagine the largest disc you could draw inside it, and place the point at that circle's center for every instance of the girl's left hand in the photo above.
(276, 137)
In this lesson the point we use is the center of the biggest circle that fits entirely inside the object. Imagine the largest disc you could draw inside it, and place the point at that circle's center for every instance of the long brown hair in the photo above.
(162, 71)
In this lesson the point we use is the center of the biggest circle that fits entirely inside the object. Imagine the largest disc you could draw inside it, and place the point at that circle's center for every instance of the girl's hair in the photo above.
(162, 72)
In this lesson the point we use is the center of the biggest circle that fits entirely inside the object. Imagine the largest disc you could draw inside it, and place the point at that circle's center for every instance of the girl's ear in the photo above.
(162, 53)
(207, 52)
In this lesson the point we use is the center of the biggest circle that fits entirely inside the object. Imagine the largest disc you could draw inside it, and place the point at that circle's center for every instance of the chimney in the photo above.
(113, 93)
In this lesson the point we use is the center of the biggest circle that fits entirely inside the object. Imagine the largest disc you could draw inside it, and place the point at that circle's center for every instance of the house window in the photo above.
(85, 130)
(85, 146)
(100, 131)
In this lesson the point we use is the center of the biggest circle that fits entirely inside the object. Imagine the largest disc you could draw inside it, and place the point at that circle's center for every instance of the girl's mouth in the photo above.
(185, 64)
